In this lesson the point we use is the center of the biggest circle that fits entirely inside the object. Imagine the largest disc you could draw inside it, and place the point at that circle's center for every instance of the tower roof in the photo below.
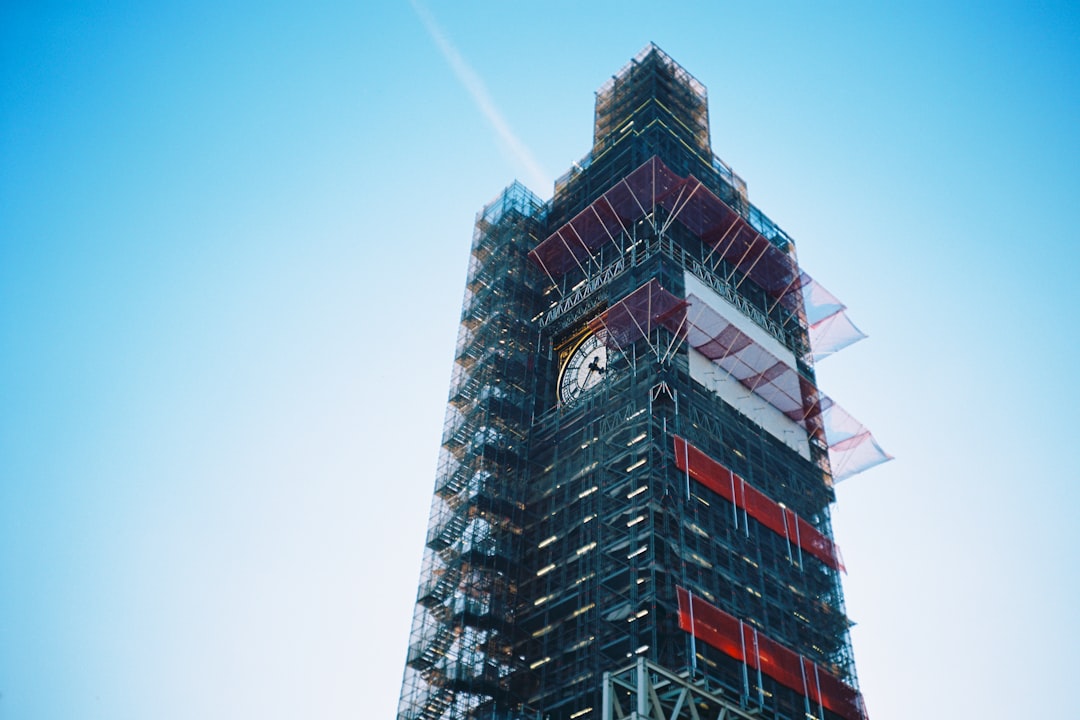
(652, 87)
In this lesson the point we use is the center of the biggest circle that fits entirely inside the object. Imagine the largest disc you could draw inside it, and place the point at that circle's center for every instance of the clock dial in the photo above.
(585, 368)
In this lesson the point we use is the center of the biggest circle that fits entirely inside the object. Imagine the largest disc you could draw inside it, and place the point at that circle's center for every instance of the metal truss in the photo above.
(646, 691)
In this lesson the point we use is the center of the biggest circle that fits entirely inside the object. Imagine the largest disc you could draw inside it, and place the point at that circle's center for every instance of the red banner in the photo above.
(746, 644)
(778, 518)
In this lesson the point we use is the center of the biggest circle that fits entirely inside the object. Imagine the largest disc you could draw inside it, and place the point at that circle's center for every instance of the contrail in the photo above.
(537, 178)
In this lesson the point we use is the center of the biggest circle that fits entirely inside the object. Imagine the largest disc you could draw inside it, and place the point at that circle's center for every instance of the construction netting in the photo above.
(687, 201)
(760, 371)
(852, 448)
(780, 519)
(830, 328)
(636, 315)
(744, 643)
(729, 235)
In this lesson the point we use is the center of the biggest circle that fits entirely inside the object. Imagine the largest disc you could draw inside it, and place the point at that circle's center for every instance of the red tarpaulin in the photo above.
(724, 230)
(781, 520)
(746, 644)
(688, 202)
(636, 315)
(730, 236)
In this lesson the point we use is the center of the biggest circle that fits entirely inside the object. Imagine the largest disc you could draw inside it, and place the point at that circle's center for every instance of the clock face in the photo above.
(585, 368)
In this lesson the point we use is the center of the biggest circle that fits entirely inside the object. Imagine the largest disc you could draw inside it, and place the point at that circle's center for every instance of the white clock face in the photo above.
(585, 368)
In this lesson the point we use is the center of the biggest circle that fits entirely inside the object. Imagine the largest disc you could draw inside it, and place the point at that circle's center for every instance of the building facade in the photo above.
(631, 509)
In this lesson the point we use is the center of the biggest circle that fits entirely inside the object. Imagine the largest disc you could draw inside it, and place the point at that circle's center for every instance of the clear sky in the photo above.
(233, 240)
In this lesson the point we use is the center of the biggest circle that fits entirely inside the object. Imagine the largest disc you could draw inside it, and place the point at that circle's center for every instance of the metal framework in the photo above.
(672, 519)
(646, 691)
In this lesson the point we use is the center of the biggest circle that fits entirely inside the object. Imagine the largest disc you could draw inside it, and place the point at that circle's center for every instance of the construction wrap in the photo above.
(746, 644)
(852, 448)
(774, 381)
(609, 220)
(781, 520)
(639, 313)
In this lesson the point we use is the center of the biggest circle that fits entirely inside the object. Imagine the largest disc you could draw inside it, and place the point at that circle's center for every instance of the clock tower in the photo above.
(631, 509)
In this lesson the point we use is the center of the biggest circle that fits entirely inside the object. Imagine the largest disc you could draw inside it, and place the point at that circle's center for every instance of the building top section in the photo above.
(652, 88)
(515, 198)
(654, 107)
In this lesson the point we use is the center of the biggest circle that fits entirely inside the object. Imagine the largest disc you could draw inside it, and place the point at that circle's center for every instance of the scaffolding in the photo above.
(460, 661)
(750, 270)
(657, 542)
(652, 88)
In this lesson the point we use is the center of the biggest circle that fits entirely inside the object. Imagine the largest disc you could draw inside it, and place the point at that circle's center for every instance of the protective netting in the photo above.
(761, 372)
(605, 219)
(639, 313)
(819, 302)
(852, 448)
(724, 230)
(833, 334)
(830, 328)
(744, 643)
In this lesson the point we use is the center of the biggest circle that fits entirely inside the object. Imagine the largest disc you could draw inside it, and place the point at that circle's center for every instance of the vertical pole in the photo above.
(817, 681)
(734, 500)
(693, 633)
(805, 688)
(605, 710)
(642, 690)
(745, 516)
(649, 316)
(760, 689)
(798, 540)
(787, 535)
(686, 462)
(745, 660)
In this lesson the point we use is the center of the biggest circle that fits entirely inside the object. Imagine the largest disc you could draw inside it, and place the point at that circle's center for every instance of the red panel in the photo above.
(745, 643)
(607, 217)
(693, 206)
(781, 520)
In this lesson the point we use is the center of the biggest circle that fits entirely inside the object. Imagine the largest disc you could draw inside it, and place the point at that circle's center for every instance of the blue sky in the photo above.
(233, 239)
